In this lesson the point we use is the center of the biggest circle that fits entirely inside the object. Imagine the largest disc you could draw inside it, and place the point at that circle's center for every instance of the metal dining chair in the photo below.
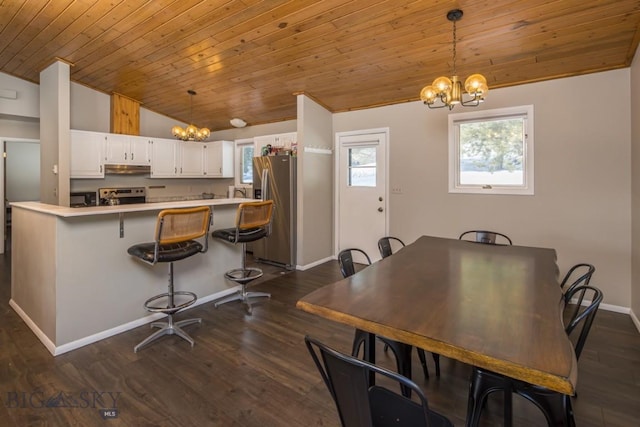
(485, 236)
(359, 402)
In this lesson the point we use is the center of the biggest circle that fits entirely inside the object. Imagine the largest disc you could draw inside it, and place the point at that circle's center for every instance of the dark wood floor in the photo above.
(255, 370)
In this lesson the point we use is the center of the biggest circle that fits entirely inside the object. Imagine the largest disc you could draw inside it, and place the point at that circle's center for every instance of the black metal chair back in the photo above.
(384, 245)
(360, 403)
(584, 272)
(582, 313)
(345, 260)
(487, 237)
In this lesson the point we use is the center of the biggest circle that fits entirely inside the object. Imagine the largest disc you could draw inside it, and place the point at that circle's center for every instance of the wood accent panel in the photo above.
(125, 115)
(246, 57)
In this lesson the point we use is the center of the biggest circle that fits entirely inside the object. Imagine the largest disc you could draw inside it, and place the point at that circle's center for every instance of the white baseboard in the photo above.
(64, 348)
(314, 264)
(635, 320)
(36, 330)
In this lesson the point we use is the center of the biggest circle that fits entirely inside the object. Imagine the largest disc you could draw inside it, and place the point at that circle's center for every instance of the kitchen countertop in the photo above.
(68, 212)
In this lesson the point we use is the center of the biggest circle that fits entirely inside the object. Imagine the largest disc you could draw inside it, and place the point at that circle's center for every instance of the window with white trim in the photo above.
(491, 151)
(244, 162)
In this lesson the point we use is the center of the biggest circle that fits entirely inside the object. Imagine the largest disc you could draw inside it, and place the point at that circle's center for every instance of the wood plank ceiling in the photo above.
(246, 58)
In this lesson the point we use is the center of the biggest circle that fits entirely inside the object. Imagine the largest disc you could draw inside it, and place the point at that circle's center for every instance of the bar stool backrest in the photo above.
(180, 225)
(254, 214)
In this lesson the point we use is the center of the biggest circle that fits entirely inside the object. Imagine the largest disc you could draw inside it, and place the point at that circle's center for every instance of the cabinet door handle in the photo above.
(131, 156)
(125, 156)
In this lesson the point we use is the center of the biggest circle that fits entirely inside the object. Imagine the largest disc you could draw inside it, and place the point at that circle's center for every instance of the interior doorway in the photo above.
(361, 196)
(20, 176)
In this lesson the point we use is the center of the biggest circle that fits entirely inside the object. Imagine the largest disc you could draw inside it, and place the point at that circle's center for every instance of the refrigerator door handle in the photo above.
(265, 184)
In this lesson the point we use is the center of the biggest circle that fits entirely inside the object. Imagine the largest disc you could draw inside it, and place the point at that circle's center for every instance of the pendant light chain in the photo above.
(454, 49)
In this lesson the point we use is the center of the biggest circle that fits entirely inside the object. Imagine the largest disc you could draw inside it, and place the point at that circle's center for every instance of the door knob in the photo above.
(380, 198)
(380, 209)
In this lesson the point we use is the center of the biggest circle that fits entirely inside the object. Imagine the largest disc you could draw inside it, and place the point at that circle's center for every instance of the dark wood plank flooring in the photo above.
(255, 370)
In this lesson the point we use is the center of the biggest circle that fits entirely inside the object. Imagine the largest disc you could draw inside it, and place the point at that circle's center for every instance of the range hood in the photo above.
(127, 170)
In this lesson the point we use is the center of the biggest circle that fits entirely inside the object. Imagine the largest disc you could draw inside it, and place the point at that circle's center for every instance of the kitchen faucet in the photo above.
(241, 191)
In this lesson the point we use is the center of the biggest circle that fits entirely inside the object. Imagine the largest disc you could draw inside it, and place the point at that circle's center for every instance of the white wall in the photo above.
(315, 183)
(582, 205)
(22, 171)
(635, 187)
(90, 109)
(26, 103)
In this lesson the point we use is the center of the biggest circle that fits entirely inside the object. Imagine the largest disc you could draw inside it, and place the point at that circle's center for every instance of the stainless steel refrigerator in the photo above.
(274, 178)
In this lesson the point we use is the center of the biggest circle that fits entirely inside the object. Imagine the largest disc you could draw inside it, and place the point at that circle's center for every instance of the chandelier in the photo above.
(191, 133)
(447, 92)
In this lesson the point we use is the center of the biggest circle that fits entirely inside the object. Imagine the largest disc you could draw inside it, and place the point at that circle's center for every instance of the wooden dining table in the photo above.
(490, 306)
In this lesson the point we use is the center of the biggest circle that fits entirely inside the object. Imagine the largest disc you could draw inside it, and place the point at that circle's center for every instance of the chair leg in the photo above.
(481, 385)
(423, 362)
(402, 352)
(168, 328)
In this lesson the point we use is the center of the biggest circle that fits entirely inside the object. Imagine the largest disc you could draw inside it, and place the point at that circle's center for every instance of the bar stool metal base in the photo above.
(242, 276)
(169, 328)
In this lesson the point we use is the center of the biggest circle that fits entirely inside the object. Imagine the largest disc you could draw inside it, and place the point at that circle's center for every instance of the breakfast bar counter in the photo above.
(73, 282)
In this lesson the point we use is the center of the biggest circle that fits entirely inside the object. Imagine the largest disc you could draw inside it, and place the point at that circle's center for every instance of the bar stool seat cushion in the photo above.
(246, 235)
(166, 252)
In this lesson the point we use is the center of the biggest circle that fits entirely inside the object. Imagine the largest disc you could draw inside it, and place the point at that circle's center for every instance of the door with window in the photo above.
(362, 190)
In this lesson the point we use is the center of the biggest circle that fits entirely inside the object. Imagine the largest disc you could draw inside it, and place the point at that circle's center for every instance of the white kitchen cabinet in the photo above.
(164, 158)
(127, 150)
(186, 159)
(218, 159)
(191, 159)
(87, 151)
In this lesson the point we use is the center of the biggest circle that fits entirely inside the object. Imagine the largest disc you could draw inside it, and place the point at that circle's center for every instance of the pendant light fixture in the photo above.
(191, 133)
(447, 92)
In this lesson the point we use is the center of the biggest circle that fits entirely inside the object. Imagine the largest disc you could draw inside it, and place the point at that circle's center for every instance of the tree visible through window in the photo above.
(492, 151)
(247, 164)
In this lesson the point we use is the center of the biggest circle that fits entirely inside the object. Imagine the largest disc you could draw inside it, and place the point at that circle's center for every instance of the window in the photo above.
(491, 151)
(244, 162)
(362, 167)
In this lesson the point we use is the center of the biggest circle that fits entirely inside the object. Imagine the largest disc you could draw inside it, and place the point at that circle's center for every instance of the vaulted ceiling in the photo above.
(247, 58)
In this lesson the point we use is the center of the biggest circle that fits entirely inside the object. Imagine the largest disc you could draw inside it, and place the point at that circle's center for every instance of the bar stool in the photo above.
(175, 234)
(253, 222)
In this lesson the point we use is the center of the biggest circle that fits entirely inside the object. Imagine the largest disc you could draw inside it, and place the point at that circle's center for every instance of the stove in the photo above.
(121, 196)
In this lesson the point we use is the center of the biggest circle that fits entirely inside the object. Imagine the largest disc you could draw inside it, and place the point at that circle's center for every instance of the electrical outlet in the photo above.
(396, 190)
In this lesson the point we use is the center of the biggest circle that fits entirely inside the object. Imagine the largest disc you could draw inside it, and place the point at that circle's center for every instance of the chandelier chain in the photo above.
(454, 49)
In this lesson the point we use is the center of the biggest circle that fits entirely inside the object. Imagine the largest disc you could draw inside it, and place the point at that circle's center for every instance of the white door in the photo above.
(362, 190)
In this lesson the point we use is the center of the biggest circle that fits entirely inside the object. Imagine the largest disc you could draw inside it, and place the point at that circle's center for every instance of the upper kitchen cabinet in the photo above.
(87, 151)
(127, 150)
(164, 158)
(218, 159)
(192, 156)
